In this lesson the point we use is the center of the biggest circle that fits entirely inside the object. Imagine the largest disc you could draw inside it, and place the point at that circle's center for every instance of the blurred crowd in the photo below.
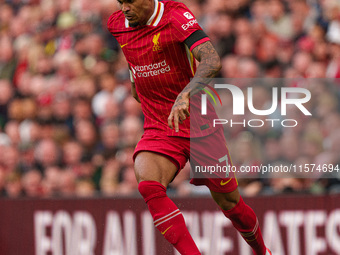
(68, 124)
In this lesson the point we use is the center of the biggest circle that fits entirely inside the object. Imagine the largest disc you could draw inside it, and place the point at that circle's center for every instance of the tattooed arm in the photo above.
(210, 63)
(133, 86)
(134, 92)
(208, 67)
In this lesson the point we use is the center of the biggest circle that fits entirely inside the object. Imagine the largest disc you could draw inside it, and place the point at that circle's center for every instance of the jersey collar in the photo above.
(157, 14)
(155, 17)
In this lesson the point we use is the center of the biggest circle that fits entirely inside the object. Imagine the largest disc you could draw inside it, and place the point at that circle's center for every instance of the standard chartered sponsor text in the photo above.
(153, 69)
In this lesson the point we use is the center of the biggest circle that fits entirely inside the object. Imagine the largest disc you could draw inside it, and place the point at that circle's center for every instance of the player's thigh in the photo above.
(150, 166)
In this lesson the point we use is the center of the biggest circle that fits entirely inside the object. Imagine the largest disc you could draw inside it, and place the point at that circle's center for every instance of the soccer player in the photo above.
(159, 41)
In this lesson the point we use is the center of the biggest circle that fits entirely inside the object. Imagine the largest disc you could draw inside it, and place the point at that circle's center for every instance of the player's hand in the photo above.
(179, 111)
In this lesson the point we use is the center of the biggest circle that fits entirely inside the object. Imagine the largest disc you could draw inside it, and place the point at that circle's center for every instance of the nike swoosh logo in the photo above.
(166, 230)
(222, 183)
(124, 45)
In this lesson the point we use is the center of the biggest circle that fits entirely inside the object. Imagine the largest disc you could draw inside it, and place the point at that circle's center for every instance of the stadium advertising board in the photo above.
(291, 226)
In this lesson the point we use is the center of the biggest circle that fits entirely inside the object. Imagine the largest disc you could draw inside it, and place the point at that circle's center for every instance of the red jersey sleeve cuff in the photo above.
(203, 40)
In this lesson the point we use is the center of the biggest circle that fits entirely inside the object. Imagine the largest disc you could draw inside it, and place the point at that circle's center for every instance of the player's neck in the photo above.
(147, 16)
(152, 10)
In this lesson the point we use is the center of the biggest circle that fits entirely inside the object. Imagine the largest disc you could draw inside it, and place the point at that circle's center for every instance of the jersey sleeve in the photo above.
(110, 22)
(114, 23)
(185, 24)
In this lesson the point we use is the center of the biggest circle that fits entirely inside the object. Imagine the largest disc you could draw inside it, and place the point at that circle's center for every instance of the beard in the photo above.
(133, 24)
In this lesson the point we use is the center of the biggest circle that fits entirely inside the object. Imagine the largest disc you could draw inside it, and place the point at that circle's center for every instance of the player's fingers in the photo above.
(176, 121)
(182, 115)
(186, 112)
(170, 120)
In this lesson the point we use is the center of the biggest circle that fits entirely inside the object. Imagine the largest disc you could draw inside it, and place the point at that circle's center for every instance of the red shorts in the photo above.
(204, 153)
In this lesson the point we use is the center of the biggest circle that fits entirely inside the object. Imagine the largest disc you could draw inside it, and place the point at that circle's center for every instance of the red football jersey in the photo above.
(161, 64)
